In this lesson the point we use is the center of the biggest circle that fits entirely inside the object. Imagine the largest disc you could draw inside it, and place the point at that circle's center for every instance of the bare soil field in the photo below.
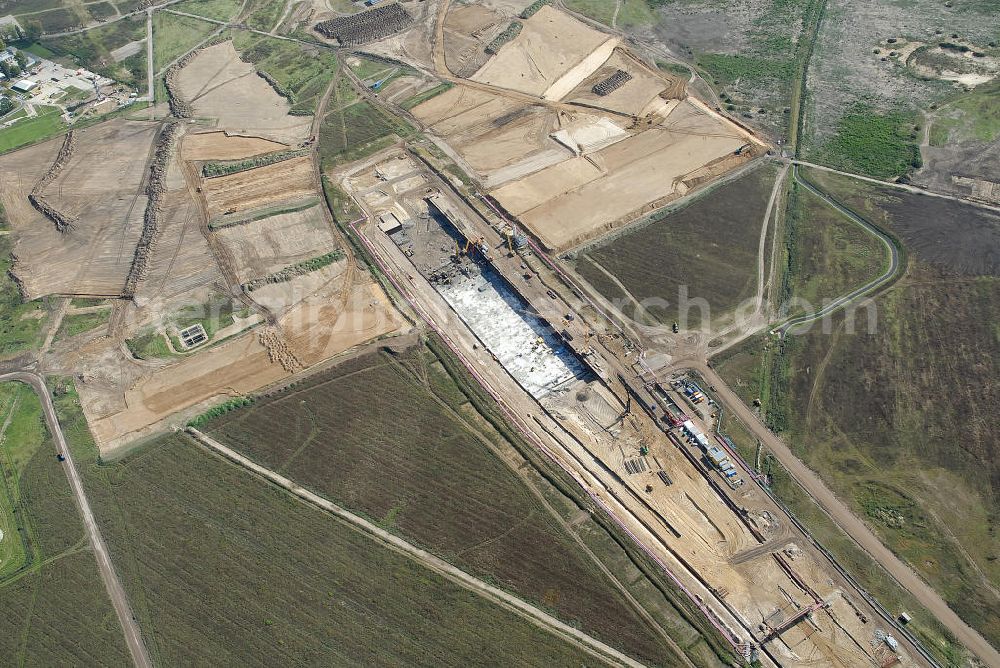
(326, 322)
(467, 29)
(566, 200)
(260, 187)
(708, 247)
(262, 247)
(638, 174)
(635, 97)
(553, 53)
(222, 86)
(101, 187)
(224, 146)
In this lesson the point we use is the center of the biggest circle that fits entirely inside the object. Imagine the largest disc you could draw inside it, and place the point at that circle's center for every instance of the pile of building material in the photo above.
(155, 190)
(612, 83)
(368, 26)
(278, 350)
(63, 222)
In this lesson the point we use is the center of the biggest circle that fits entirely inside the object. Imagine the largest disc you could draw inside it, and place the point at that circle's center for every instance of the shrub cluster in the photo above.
(512, 31)
(298, 269)
(213, 169)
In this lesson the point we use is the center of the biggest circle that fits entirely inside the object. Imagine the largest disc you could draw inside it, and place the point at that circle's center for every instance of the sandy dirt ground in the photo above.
(466, 30)
(321, 326)
(633, 98)
(223, 146)
(221, 86)
(260, 187)
(553, 53)
(101, 187)
(315, 316)
(265, 246)
(564, 206)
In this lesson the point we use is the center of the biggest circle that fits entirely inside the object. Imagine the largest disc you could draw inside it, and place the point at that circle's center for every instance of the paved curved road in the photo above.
(860, 292)
(845, 518)
(119, 600)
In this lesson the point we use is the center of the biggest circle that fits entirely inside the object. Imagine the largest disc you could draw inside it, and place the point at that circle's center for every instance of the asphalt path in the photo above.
(116, 593)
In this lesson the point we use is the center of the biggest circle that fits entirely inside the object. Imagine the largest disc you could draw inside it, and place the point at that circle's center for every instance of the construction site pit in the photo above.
(521, 341)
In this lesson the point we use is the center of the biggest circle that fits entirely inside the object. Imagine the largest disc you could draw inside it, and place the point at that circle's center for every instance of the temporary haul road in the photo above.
(119, 600)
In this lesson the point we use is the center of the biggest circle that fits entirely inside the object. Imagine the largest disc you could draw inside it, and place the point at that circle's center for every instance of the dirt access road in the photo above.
(111, 582)
(845, 518)
(548, 622)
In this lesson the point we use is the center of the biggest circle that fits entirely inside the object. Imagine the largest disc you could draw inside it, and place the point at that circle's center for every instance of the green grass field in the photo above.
(220, 10)
(264, 14)
(972, 117)
(708, 248)
(420, 461)
(880, 145)
(895, 412)
(78, 323)
(149, 345)
(46, 124)
(354, 128)
(21, 324)
(173, 36)
(56, 611)
(303, 72)
(827, 254)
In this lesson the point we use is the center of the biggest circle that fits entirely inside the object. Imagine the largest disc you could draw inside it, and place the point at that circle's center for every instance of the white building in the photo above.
(25, 86)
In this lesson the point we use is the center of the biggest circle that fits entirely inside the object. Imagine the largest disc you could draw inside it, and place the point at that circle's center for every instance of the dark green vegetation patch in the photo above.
(509, 33)
(297, 269)
(883, 145)
(20, 322)
(213, 169)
